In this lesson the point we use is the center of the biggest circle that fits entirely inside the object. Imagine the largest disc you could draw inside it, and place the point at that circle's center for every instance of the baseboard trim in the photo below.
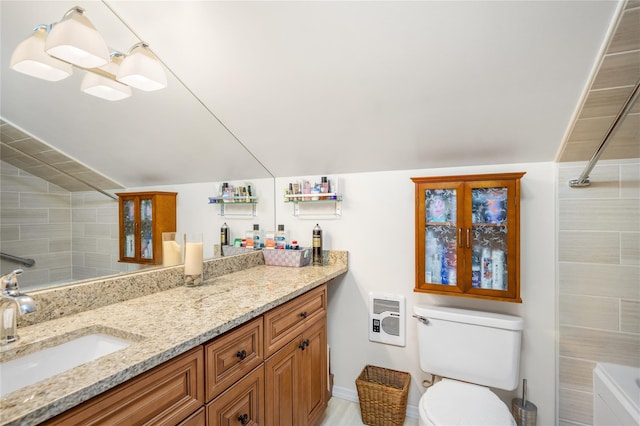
(352, 395)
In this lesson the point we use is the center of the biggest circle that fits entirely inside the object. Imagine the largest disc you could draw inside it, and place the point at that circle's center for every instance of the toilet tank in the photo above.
(468, 345)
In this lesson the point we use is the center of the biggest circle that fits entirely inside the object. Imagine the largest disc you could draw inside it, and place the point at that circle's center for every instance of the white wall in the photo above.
(377, 228)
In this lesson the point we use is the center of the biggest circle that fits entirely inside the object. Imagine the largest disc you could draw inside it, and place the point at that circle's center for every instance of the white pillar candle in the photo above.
(193, 258)
(171, 253)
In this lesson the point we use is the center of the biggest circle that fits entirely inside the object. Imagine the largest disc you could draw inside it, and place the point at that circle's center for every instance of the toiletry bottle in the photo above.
(257, 242)
(497, 264)
(486, 269)
(324, 187)
(224, 235)
(317, 245)
(444, 270)
(281, 238)
(270, 240)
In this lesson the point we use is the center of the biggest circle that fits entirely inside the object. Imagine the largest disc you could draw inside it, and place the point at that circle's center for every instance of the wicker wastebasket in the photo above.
(383, 395)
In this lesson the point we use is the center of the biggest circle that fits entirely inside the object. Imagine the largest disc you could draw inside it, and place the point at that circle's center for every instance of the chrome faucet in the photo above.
(12, 303)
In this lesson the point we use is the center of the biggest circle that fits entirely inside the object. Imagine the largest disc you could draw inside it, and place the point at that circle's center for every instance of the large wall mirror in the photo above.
(163, 140)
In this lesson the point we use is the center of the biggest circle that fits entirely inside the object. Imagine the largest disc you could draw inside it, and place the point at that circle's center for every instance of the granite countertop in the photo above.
(160, 325)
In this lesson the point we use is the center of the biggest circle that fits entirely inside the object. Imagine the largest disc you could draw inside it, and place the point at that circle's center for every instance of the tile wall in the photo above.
(599, 279)
(71, 236)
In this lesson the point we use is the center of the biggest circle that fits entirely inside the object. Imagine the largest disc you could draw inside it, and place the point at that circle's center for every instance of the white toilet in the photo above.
(470, 350)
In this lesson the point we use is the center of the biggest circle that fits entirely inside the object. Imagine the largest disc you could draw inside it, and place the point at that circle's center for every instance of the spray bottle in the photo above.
(317, 245)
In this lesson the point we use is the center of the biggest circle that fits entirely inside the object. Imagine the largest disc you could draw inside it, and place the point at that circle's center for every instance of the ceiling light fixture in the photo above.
(142, 70)
(52, 49)
(105, 86)
(76, 40)
(29, 58)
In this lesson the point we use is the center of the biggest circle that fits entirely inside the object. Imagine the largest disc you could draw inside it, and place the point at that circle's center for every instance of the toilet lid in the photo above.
(450, 402)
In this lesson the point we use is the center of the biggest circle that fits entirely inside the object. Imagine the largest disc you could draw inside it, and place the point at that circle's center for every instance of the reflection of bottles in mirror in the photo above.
(128, 246)
(147, 249)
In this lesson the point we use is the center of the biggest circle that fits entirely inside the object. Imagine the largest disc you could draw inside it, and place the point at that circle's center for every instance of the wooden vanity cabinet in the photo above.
(143, 217)
(165, 395)
(467, 236)
(271, 370)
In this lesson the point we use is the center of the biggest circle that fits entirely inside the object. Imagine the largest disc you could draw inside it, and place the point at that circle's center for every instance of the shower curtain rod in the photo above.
(583, 180)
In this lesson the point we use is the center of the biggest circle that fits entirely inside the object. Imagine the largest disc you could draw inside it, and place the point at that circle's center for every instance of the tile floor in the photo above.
(347, 413)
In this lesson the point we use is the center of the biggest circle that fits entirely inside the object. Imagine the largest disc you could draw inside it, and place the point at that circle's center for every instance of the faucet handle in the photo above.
(10, 280)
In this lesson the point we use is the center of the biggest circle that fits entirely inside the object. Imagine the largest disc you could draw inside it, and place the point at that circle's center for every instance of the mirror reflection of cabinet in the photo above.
(468, 236)
(144, 216)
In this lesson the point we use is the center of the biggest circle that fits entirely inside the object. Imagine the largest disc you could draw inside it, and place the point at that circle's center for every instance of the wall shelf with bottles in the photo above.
(316, 205)
(468, 236)
(318, 200)
(236, 200)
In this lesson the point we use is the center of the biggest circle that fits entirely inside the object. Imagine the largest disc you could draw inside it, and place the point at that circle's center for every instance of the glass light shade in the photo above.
(29, 58)
(104, 87)
(76, 40)
(142, 70)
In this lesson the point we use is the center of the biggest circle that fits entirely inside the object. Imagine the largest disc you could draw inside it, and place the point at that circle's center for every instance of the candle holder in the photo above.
(193, 263)
(171, 249)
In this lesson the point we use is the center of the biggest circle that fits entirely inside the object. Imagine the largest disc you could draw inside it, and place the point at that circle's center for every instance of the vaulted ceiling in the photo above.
(270, 88)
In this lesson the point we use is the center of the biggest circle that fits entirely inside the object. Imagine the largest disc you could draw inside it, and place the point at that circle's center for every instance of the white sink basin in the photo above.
(45, 363)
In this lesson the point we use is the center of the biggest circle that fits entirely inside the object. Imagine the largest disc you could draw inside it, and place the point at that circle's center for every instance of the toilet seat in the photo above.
(450, 402)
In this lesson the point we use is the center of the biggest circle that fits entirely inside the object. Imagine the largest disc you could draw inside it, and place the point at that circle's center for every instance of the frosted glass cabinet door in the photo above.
(129, 227)
(467, 236)
(441, 258)
(146, 220)
(489, 216)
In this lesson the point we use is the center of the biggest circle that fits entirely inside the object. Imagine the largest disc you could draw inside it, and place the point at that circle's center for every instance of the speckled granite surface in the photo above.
(160, 325)
(67, 300)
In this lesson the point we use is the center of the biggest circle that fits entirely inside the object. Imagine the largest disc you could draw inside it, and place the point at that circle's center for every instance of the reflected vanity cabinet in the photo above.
(143, 217)
(467, 236)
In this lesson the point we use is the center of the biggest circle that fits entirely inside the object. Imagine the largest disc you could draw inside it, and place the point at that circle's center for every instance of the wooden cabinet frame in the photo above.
(461, 226)
(163, 210)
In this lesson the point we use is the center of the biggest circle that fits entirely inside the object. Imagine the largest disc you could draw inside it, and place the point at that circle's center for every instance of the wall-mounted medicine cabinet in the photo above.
(467, 236)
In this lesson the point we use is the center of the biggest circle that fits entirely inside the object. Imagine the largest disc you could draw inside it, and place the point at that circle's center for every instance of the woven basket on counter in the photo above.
(383, 395)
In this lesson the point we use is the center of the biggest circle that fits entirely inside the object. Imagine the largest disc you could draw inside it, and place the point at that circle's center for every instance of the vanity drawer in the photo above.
(242, 403)
(232, 355)
(284, 323)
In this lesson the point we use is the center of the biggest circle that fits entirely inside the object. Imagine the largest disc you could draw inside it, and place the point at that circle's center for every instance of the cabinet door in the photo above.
(282, 386)
(129, 241)
(439, 237)
(146, 208)
(491, 240)
(314, 372)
